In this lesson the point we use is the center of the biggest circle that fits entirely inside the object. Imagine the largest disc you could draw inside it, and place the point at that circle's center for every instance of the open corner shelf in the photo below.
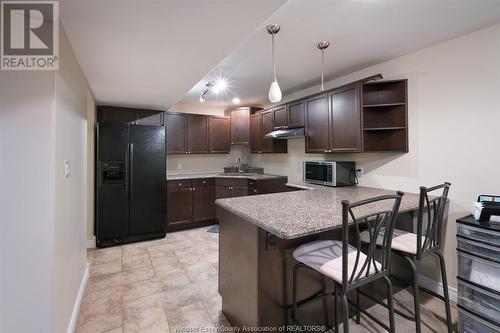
(384, 112)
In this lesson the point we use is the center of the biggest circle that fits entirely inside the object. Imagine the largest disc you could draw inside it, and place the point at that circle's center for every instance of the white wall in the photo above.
(70, 225)
(454, 121)
(43, 214)
(27, 115)
(91, 118)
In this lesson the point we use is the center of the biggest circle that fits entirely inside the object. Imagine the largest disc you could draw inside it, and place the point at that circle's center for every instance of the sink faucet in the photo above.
(238, 164)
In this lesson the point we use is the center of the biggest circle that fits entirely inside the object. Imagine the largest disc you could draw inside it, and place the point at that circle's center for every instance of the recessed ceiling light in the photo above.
(220, 86)
(236, 100)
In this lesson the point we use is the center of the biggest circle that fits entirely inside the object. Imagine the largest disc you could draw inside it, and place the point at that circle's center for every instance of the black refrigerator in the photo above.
(130, 183)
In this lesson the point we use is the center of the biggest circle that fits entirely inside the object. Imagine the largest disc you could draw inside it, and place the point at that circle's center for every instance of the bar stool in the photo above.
(346, 265)
(414, 247)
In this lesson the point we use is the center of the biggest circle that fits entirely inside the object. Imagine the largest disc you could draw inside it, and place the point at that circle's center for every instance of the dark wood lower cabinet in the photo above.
(203, 203)
(190, 203)
(179, 207)
(230, 187)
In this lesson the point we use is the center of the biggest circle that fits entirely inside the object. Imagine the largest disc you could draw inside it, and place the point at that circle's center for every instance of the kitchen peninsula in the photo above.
(258, 235)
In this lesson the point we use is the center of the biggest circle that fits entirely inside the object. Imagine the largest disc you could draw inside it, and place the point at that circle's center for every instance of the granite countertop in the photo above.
(253, 176)
(297, 214)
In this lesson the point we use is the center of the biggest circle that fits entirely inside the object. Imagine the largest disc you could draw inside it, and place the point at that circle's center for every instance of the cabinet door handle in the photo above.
(180, 184)
(204, 182)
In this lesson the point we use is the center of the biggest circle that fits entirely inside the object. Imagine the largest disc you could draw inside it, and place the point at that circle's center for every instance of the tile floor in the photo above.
(161, 285)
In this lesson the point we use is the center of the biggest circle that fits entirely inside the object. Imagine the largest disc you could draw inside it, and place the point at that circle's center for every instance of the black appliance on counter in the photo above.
(130, 183)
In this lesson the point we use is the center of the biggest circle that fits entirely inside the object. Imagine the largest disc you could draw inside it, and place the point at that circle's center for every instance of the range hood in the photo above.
(286, 132)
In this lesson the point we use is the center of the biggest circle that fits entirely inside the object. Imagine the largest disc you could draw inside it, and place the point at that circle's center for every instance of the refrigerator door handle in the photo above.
(126, 167)
(131, 165)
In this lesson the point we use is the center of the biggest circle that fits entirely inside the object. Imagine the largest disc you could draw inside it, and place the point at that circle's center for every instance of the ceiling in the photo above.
(362, 33)
(149, 53)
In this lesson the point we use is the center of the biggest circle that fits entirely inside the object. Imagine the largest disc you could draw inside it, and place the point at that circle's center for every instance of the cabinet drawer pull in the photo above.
(180, 184)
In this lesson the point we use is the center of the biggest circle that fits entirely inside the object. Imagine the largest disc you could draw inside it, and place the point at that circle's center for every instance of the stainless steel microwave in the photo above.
(330, 173)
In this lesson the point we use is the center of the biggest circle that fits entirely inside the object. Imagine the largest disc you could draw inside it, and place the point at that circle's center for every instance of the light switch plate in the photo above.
(179, 165)
(67, 168)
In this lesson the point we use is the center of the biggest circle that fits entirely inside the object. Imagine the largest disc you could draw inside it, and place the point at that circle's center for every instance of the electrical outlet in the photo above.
(360, 172)
(179, 165)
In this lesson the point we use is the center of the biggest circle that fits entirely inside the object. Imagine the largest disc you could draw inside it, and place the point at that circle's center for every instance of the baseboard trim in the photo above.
(78, 301)
(437, 287)
(91, 243)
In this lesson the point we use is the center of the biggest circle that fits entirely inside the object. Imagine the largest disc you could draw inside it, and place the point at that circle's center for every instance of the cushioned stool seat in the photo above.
(326, 257)
(402, 241)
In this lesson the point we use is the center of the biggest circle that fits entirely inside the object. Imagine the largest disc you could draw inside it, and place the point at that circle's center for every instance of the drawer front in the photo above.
(479, 249)
(235, 182)
(203, 182)
(483, 235)
(479, 271)
(479, 301)
(469, 323)
(181, 183)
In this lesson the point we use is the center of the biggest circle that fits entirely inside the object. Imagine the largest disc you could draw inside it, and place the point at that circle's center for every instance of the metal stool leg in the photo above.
(416, 298)
(345, 313)
(390, 304)
(445, 291)
(358, 312)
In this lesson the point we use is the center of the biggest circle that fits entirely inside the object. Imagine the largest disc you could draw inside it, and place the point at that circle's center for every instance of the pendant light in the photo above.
(322, 45)
(274, 91)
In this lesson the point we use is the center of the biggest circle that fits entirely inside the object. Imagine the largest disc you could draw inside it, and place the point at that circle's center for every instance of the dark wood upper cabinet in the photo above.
(295, 113)
(333, 121)
(262, 123)
(345, 123)
(114, 114)
(197, 134)
(218, 135)
(267, 126)
(317, 118)
(176, 128)
(240, 126)
(146, 117)
(280, 117)
(255, 133)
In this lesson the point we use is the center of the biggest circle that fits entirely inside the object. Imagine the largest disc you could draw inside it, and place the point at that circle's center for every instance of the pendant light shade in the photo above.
(274, 91)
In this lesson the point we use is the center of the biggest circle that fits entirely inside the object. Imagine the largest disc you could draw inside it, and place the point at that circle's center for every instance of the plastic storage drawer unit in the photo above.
(479, 271)
(479, 300)
(478, 234)
(479, 249)
(470, 323)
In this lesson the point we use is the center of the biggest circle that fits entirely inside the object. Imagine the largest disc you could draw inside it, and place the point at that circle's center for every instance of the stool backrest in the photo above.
(431, 211)
(380, 225)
